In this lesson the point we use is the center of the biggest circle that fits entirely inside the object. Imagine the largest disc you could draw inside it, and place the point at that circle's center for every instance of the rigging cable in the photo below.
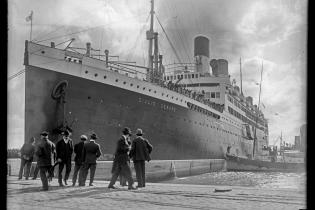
(179, 33)
(91, 28)
(173, 48)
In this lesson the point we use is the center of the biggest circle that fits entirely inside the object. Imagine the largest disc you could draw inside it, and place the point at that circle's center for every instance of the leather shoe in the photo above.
(91, 184)
(43, 189)
(33, 178)
(73, 184)
(61, 185)
(112, 187)
(65, 182)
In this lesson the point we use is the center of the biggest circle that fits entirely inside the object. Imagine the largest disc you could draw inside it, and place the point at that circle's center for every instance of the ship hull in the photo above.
(174, 131)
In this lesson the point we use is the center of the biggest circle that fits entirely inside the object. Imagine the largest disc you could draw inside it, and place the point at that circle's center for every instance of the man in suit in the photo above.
(140, 152)
(45, 152)
(64, 149)
(122, 179)
(91, 151)
(78, 148)
(121, 163)
(27, 152)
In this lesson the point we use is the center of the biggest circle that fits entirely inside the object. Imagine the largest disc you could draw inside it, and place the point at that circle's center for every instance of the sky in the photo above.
(272, 32)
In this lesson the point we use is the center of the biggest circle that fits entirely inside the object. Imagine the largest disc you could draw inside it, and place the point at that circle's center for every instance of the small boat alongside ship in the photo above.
(287, 159)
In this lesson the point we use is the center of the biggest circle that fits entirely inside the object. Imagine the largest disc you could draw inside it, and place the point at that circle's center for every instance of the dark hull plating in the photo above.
(105, 110)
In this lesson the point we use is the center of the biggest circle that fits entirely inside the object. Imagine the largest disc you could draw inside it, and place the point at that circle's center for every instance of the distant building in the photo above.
(303, 137)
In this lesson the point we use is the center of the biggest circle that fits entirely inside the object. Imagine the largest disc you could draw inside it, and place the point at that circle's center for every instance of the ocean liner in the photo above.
(186, 110)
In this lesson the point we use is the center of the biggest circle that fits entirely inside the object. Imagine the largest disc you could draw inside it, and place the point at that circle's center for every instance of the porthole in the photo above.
(95, 75)
(131, 84)
(144, 88)
(167, 95)
(105, 77)
(162, 94)
(154, 91)
(116, 80)
(172, 97)
(149, 90)
(124, 83)
(43, 52)
(137, 86)
(89, 97)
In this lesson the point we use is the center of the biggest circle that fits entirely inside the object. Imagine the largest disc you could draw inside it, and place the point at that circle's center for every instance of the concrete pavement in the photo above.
(25, 194)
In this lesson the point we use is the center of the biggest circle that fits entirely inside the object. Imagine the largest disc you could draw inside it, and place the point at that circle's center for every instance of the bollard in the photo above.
(190, 168)
(173, 170)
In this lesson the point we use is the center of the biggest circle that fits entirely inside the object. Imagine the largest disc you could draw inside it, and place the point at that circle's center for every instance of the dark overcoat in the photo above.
(91, 151)
(140, 149)
(45, 152)
(63, 152)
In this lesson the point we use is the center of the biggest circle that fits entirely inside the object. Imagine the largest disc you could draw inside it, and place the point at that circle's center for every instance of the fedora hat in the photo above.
(65, 133)
(83, 137)
(126, 131)
(44, 133)
(93, 136)
(139, 132)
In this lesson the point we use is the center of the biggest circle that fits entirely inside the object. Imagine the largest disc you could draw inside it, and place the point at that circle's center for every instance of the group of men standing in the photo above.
(86, 153)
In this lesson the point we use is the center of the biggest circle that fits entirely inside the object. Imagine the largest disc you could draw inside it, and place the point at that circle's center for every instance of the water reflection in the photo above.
(250, 179)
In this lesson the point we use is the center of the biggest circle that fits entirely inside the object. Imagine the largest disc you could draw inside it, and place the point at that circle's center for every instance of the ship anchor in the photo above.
(59, 94)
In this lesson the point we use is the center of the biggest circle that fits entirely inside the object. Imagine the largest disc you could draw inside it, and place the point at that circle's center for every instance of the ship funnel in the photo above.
(249, 100)
(215, 67)
(201, 53)
(223, 67)
(88, 49)
(219, 67)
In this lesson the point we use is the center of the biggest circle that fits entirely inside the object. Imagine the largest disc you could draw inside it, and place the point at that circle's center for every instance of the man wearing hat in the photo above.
(140, 152)
(91, 151)
(64, 149)
(45, 151)
(121, 163)
(78, 148)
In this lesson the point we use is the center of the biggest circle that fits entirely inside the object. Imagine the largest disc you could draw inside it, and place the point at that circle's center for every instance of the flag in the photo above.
(30, 17)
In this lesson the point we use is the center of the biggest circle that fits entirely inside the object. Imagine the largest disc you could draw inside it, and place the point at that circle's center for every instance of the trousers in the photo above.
(77, 168)
(27, 165)
(68, 170)
(140, 172)
(84, 172)
(43, 170)
(123, 169)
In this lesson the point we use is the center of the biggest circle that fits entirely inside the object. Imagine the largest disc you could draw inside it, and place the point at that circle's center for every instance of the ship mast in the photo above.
(241, 76)
(255, 137)
(150, 37)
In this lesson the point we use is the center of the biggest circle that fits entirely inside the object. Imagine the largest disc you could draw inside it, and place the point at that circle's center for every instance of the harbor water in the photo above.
(274, 180)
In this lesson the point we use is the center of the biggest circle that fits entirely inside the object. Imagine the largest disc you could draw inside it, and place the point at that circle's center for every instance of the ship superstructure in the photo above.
(191, 113)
